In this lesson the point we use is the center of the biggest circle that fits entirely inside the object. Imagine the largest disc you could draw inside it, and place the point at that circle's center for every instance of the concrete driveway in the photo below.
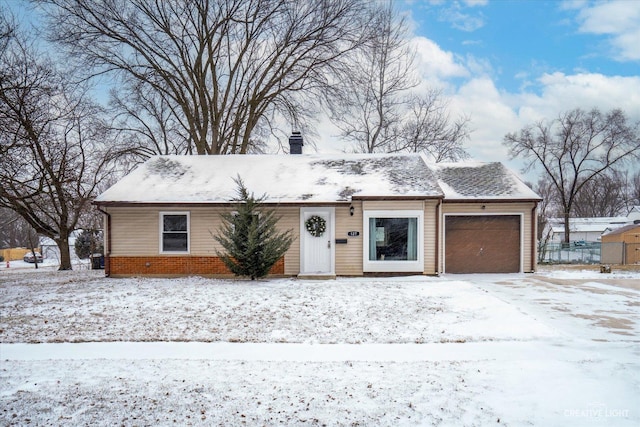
(583, 304)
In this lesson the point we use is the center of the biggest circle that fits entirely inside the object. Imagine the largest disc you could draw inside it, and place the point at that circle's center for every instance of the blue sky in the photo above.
(507, 64)
(521, 39)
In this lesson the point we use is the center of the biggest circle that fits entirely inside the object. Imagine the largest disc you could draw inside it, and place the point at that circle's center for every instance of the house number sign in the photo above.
(353, 233)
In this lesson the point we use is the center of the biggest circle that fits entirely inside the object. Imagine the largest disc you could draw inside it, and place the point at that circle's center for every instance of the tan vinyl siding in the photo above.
(629, 236)
(375, 205)
(290, 220)
(430, 233)
(524, 208)
(205, 223)
(349, 255)
(136, 231)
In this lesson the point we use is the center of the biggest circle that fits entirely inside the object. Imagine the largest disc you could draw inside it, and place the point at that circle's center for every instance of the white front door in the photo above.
(317, 246)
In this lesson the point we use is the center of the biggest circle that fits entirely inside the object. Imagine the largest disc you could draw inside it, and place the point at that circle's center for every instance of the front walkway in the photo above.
(279, 352)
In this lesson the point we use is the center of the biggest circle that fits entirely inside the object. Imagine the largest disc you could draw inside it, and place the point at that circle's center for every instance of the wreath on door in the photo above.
(316, 225)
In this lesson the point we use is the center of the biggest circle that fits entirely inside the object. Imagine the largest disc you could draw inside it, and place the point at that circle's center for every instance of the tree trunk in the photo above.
(33, 253)
(567, 229)
(65, 255)
(32, 247)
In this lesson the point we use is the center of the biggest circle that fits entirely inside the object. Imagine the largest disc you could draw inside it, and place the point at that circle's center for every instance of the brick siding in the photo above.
(173, 266)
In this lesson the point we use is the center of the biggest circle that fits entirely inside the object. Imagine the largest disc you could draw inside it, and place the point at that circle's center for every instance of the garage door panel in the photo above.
(482, 244)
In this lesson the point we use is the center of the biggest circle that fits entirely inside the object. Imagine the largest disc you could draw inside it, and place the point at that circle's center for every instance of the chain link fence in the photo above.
(589, 253)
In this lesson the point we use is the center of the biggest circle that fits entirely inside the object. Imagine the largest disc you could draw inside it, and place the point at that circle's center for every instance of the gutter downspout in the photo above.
(534, 237)
(438, 231)
(107, 256)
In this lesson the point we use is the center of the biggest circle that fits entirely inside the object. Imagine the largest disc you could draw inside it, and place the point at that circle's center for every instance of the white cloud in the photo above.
(610, 18)
(473, 3)
(620, 20)
(470, 85)
(472, 42)
(460, 20)
(573, 4)
(478, 66)
(629, 45)
(433, 63)
(495, 113)
(588, 90)
(491, 117)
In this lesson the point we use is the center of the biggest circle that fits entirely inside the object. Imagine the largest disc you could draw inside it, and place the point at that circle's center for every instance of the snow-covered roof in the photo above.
(582, 228)
(606, 220)
(48, 241)
(312, 178)
(478, 180)
(622, 229)
(283, 178)
(584, 225)
(634, 213)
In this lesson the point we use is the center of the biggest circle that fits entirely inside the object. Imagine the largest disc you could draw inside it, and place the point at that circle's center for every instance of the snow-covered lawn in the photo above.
(554, 348)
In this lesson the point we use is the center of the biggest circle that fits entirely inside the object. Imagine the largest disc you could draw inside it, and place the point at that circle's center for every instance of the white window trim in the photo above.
(369, 266)
(161, 232)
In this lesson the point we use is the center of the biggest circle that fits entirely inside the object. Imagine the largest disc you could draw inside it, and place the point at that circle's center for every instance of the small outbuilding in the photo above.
(622, 245)
(382, 214)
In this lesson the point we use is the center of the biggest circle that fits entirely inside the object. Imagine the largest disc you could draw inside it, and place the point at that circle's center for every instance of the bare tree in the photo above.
(547, 208)
(374, 89)
(50, 139)
(633, 190)
(575, 149)
(428, 128)
(14, 230)
(376, 111)
(7, 30)
(146, 123)
(604, 195)
(225, 67)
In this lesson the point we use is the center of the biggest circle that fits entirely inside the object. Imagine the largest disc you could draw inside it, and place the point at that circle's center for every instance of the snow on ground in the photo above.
(554, 348)
(77, 307)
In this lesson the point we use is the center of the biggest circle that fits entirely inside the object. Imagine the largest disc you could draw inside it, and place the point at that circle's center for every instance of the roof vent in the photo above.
(295, 143)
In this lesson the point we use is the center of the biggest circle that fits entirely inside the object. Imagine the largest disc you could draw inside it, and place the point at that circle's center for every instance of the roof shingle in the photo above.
(476, 180)
(312, 179)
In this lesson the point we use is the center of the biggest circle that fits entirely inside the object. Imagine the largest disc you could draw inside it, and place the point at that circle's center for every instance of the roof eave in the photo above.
(395, 198)
(268, 202)
(490, 200)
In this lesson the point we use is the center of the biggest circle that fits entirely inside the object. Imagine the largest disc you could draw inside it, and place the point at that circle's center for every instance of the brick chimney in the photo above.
(295, 143)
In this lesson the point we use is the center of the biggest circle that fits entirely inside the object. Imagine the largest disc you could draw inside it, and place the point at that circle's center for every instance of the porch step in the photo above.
(317, 276)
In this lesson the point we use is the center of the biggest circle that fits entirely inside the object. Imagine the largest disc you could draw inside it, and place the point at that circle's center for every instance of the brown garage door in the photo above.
(482, 244)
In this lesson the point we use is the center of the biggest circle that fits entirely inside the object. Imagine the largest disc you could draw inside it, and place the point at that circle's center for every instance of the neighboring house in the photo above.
(50, 250)
(583, 229)
(588, 229)
(14, 254)
(384, 213)
(634, 214)
(622, 245)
